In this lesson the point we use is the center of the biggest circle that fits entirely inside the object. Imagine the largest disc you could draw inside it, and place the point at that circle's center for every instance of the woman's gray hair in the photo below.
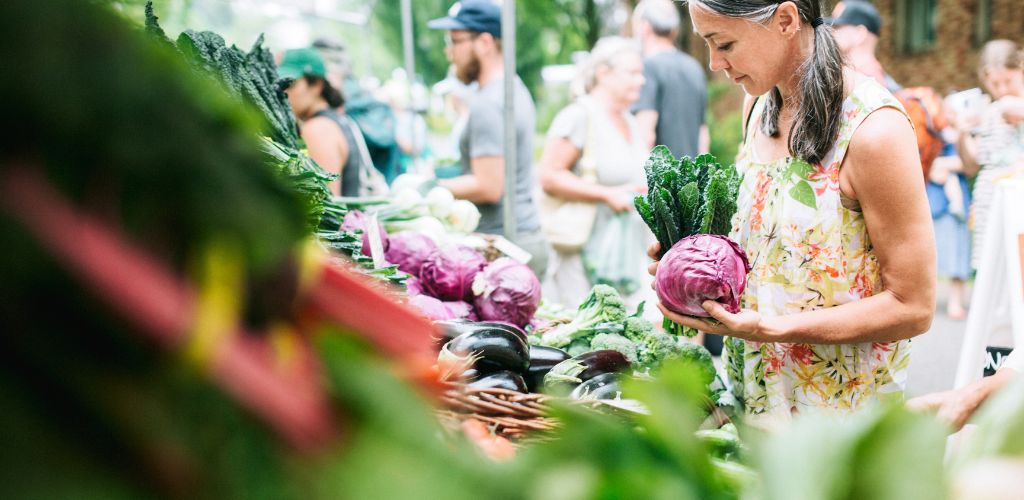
(660, 14)
(816, 126)
(605, 54)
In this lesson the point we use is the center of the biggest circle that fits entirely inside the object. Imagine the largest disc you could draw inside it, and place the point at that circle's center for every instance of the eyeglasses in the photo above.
(450, 41)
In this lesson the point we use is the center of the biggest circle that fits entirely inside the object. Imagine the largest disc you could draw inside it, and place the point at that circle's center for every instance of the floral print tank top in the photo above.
(808, 251)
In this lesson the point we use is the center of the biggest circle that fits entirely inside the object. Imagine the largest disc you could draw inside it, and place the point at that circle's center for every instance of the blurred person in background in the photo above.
(992, 138)
(455, 95)
(406, 102)
(857, 26)
(949, 195)
(957, 406)
(612, 77)
(672, 103)
(319, 109)
(473, 46)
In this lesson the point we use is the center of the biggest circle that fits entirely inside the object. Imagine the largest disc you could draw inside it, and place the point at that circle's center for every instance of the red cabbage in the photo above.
(506, 290)
(436, 310)
(702, 267)
(409, 250)
(356, 221)
(449, 271)
(413, 287)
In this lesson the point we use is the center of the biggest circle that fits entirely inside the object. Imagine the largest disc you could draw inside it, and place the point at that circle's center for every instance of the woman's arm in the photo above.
(557, 178)
(882, 171)
(327, 147)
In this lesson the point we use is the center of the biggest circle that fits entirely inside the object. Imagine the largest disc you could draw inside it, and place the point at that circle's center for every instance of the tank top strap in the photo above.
(866, 98)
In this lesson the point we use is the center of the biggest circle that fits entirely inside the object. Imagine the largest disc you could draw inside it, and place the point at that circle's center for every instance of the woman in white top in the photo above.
(600, 119)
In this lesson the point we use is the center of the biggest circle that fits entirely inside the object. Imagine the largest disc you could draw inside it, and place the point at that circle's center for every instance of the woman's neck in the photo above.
(315, 108)
(609, 102)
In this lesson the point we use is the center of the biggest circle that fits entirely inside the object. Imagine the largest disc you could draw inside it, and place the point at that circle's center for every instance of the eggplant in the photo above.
(487, 350)
(604, 386)
(504, 379)
(542, 359)
(566, 375)
(449, 329)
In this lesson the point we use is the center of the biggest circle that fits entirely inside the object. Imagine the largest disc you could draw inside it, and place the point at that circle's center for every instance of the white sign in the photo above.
(997, 304)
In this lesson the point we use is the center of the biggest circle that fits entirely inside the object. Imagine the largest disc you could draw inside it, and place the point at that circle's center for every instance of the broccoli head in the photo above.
(602, 305)
(616, 343)
(661, 347)
(637, 329)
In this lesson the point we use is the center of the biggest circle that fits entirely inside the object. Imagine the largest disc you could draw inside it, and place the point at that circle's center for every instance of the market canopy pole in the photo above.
(508, 44)
(410, 68)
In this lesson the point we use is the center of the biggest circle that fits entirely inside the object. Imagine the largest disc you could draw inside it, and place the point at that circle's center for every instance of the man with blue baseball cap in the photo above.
(473, 46)
(858, 26)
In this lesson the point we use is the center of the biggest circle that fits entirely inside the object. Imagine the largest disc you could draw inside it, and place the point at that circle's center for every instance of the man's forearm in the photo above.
(468, 187)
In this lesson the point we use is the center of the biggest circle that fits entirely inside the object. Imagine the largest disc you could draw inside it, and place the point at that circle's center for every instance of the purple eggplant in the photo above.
(542, 359)
(604, 386)
(449, 329)
(487, 350)
(504, 379)
(568, 374)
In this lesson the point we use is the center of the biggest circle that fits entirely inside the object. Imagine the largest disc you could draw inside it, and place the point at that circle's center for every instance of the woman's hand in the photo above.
(619, 198)
(745, 324)
(1012, 109)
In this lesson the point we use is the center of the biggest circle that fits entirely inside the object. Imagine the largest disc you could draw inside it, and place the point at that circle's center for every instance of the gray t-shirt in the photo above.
(484, 136)
(676, 88)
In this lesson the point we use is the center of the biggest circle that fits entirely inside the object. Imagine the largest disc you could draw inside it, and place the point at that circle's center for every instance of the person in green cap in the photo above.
(330, 135)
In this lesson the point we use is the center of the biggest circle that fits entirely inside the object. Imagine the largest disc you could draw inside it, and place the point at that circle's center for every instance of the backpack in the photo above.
(924, 107)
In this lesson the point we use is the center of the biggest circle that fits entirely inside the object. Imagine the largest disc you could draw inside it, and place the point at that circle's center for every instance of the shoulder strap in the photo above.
(866, 98)
(587, 161)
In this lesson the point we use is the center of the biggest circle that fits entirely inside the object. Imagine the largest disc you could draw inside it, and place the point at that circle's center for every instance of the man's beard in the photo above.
(470, 72)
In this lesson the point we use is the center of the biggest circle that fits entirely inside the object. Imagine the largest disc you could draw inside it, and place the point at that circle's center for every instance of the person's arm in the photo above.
(557, 178)
(484, 184)
(882, 169)
(957, 406)
(647, 123)
(704, 143)
(327, 146)
(967, 148)
(645, 109)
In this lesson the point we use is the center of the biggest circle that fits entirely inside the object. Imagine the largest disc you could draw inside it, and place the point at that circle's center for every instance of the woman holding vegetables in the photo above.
(831, 215)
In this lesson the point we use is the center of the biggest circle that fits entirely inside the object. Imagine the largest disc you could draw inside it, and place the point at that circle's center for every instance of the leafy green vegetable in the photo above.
(602, 305)
(252, 77)
(686, 197)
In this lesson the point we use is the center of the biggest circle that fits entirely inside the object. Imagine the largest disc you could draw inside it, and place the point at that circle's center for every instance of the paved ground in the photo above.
(934, 355)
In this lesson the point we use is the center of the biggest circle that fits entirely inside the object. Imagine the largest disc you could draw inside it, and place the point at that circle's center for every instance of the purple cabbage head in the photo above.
(357, 221)
(702, 267)
(437, 310)
(449, 271)
(507, 290)
(409, 250)
(413, 287)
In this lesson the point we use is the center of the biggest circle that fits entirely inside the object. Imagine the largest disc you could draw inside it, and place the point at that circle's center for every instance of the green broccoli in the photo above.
(577, 347)
(616, 343)
(602, 305)
(660, 347)
(637, 329)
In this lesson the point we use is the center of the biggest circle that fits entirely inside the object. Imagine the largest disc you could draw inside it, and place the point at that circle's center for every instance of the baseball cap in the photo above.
(859, 13)
(482, 16)
(301, 62)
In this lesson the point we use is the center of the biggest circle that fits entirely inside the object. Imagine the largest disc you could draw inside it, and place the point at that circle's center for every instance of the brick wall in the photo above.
(952, 62)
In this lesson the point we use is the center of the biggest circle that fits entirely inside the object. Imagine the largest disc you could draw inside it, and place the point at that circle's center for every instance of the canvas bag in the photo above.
(567, 225)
